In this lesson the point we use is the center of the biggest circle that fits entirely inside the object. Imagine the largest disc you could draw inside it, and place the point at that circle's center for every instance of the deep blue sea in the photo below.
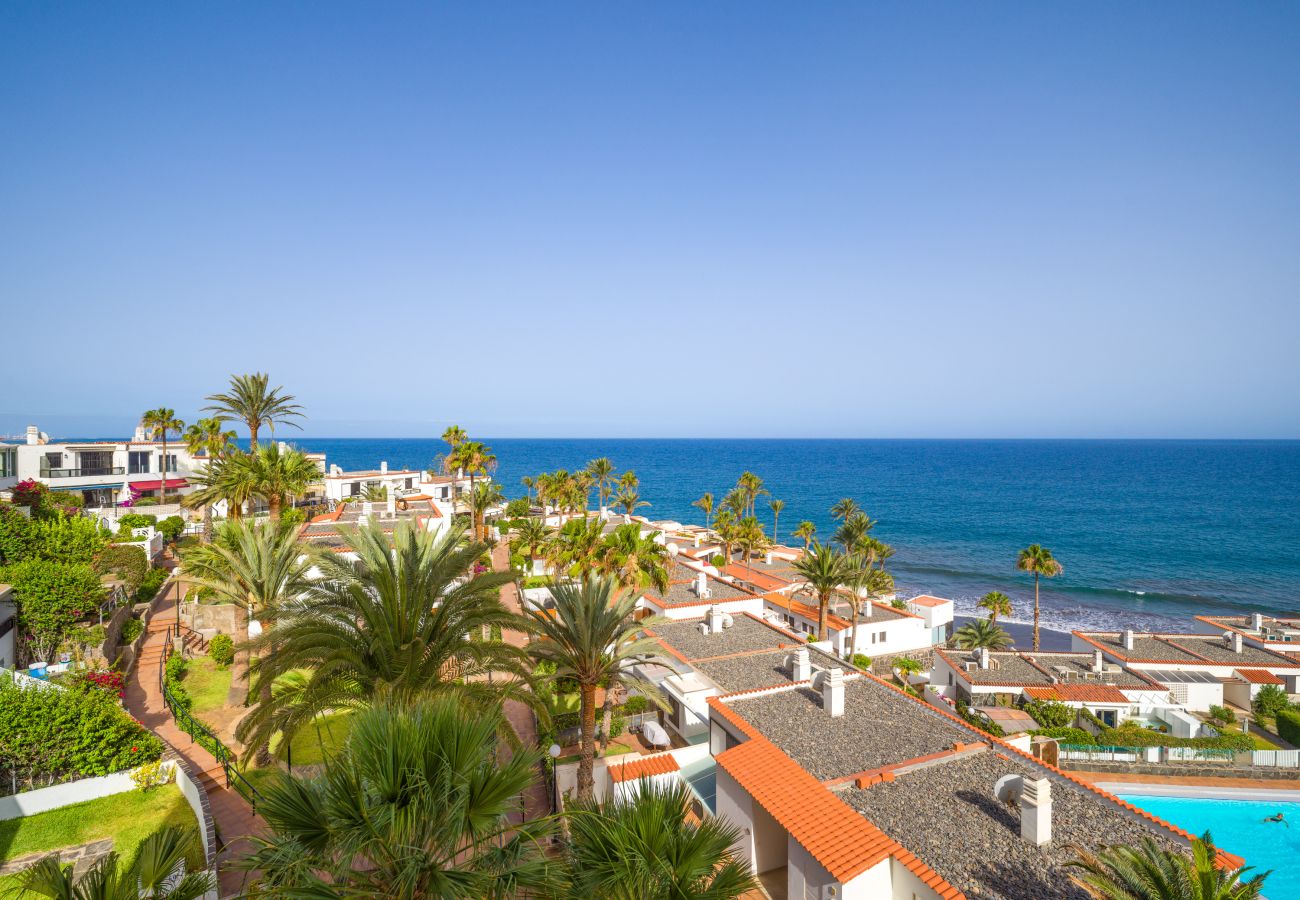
(1149, 532)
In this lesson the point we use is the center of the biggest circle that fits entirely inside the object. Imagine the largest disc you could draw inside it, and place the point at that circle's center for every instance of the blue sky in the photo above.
(722, 219)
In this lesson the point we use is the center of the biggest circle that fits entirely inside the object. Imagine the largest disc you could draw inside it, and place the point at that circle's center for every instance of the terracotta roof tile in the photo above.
(928, 600)
(1080, 693)
(833, 622)
(644, 767)
(1258, 676)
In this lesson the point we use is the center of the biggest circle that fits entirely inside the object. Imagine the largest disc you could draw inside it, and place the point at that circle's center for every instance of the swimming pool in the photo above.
(1238, 827)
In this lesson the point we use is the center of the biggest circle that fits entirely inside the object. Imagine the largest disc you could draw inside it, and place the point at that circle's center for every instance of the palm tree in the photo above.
(486, 494)
(634, 561)
(776, 506)
(1150, 872)
(529, 482)
(374, 492)
(252, 402)
(806, 530)
(206, 438)
(416, 804)
(906, 667)
(155, 875)
(1039, 561)
(274, 473)
(750, 538)
(705, 503)
(455, 436)
(575, 548)
(158, 422)
(750, 487)
(601, 472)
(388, 626)
(727, 530)
(825, 569)
(593, 638)
(736, 503)
(258, 569)
(852, 533)
(650, 846)
(844, 508)
(979, 633)
(630, 500)
(996, 603)
(864, 583)
(473, 458)
(530, 534)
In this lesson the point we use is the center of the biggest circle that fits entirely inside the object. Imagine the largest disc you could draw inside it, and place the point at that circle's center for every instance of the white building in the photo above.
(8, 628)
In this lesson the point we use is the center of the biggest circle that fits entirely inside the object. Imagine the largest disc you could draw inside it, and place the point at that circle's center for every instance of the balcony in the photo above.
(84, 473)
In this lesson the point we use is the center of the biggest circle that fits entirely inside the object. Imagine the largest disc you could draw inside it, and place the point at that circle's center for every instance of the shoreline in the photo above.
(1023, 635)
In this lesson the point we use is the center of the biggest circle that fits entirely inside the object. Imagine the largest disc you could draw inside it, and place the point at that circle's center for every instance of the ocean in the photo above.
(1149, 532)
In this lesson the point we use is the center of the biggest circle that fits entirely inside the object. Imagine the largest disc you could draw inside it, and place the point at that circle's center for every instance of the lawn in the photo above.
(314, 742)
(207, 685)
(1260, 742)
(128, 818)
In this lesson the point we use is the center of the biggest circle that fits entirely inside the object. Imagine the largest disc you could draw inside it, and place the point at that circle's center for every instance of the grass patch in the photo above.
(1260, 742)
(128, 818)
(313, 743)
(566, 703)
(207, 685)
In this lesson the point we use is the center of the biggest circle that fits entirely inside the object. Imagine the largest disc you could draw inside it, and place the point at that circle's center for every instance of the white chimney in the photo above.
(767, 559)
(833, 692)
(1096, 661)
(335, 469)
(802, 669)
(702, 585)
(867, 607)
(697, 539)
(715, 619)
(367, 508)
(1236, 642)
(1257, 622)
(984, 657)
(391, 503)
(1036, 811)
(1128, 639)
(140, 434)
(383, 467)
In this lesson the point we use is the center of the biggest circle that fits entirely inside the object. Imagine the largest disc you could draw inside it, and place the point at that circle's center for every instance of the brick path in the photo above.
(537, 802)
(234, 817)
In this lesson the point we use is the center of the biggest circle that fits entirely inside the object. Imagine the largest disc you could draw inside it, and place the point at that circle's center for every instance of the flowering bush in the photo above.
(109, 681)
(52, 596)
(30, 492)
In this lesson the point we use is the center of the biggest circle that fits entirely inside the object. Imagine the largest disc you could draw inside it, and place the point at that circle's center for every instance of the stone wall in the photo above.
(209, 619)
(81, 856)
(882, 665)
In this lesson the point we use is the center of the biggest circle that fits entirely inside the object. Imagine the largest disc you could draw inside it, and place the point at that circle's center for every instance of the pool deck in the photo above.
(1202, 789)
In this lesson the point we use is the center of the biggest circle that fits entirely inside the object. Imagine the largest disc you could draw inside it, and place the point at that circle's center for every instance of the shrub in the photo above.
(718, 561)
(565, 720)
(635, 705)
(1066, 735)
(152, 774)
(171, 527)
(69, 539)
(292, 517)
(222, 650)
(518, 508)
(1137, 736)
(153, 580)
(17, 535)
(173, 672)
(65, 734)
(896, 603)
(1050, 714)
(1270, 701)
(110, 681)
(131, 630)
(617, 725)
(89, 635)
(127, 563)
(1288, 726)
(1222, 715)
(135, 520)
(51, 597)
(147, 501)
(862, 661)
(30, 493)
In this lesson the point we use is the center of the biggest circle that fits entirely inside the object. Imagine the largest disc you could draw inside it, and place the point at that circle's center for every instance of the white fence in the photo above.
(1279, 759)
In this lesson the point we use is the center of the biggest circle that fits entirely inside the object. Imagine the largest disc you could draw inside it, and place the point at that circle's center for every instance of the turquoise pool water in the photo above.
(1238, 826)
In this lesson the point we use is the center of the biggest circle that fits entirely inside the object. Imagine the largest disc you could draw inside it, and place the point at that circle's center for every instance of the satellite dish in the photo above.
(1008, 788)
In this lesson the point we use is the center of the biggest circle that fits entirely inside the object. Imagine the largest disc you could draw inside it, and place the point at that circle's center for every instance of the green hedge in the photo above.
(1288, 726)
(50, 735)
(1066, 735)
(1136, 736)
(153, 580)
(51, 596)
(127, 563)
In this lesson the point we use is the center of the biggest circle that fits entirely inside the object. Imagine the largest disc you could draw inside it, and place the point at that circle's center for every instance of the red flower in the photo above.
(135, 749)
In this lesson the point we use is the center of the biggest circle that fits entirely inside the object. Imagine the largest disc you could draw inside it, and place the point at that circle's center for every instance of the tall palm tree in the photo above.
(276, 473)
(979, 633)
(583, 483)
(751, 488)
(1150, 872)
(529, 482)
(853, 532)
(474, 458)
(825, 569)
(633, 561)
(728, 531)
(630, 500)
(776, 506)
(575, 549)
(593, 638)
(416, 804)
(486, 494)
(155, 874)
(844, 508)
(530, 534)
(996, 604)
(252, 401)
(864, 583)
(705, 503)
(258, 569)
(806, 530)
(455, 436)
(736, 503)
(1039, 561)
(207, 438)
(159, 423)
(602, 475)
(650, 846)
(389, 625)
(750, 538)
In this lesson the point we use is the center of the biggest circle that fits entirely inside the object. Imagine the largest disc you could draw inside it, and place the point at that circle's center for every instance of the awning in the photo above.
(154, 485)
(112, 485)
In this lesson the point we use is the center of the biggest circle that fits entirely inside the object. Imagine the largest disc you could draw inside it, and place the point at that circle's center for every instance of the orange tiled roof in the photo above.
(761, 580)
(928, 600)
(798, 608)
(1258, 676)
(660, 764)
(844, 842)
(1080, 693)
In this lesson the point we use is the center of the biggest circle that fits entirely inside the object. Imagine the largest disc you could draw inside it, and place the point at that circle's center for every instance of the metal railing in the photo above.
(84, 473)
(201, 734)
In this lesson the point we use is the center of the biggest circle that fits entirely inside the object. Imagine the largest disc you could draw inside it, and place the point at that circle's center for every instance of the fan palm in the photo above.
(1039, 561)
(257, 568)
(996, 604)
(635, 561)
(530, 534)
(416, 804)
(484, 496)
(252, 401)
(275, 473)
(159, 423)
(824, 569)
(206, 438)
(776, 506)
(601, 472)
(593, 637)
(455, 436)
(156, 874)
(844, 508)
(805, 531)
(575, 548)
(982, 633)
(650, 846)
(388, 626)
(1150, 872)
(705, 505)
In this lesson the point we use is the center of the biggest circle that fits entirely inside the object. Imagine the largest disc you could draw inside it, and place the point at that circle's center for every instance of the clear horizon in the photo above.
(919, 221)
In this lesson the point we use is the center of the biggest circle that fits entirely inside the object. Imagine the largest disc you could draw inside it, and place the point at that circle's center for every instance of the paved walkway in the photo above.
(537, 802)
(234, 817)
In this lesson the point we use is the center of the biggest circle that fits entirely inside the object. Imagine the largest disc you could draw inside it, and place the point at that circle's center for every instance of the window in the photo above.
(171, 462)
(950, 679)
(1107, 717)
(8, 461)
(354, 489)
(53, 460)
(882, 637)
(138, 462)
(410, 483)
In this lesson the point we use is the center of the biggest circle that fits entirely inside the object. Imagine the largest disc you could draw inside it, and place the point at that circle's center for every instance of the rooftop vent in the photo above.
(799, 664)
(383, 467)
(1097, 662)
(831, 683)
(718, 619)
(1236, 642)
(983, 657)
(1257, 621)
(702, 586)
(1128, 639)
(1034, 798)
